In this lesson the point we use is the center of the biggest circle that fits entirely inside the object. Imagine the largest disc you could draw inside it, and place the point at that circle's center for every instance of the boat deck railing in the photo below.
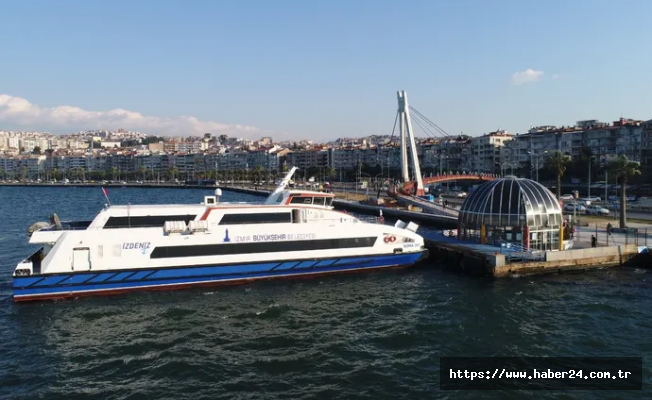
(372, 220)
(347, 219)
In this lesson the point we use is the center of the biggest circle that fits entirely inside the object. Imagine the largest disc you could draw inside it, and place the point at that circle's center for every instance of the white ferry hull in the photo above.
(151, 247)
(77, 284)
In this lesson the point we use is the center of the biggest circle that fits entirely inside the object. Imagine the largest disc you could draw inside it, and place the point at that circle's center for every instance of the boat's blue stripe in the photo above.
(53, 280)
(121, 276)
(102, 277)
(306, 264)
(27, 281)
(286, 265)
(203, 274)
(80, 278)
(325, 263)
(139, 275)
(210, 271)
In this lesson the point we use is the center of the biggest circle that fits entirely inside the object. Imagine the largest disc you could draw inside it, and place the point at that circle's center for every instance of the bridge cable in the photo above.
(437, 127)
(391, 139)
(417, 120)
(394, 128)
(417, 112)
(430, 123)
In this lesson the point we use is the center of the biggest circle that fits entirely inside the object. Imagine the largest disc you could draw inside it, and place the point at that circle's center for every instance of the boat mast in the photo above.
(281, 186)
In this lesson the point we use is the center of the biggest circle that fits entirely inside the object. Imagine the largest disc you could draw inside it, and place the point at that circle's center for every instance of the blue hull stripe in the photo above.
(50, 281)
(102, 277)
(139, 275)
(286, 265)
(71, 283)
(326, 263)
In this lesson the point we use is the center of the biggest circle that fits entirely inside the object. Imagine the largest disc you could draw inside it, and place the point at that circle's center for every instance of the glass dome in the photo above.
(511, 202)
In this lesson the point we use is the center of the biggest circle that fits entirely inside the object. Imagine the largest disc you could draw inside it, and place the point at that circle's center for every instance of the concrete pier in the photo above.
(487, 260)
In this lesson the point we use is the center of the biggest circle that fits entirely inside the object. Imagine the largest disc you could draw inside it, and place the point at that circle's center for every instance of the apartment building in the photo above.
(488, 154)
(646, 147)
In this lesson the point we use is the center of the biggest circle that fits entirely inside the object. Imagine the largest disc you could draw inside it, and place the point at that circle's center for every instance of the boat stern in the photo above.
(24, 268)
(30, 265)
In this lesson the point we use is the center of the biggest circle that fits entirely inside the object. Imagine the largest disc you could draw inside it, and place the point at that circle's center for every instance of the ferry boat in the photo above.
(293, 233)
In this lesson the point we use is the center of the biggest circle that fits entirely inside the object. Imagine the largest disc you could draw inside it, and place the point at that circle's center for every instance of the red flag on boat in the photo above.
(106, 195)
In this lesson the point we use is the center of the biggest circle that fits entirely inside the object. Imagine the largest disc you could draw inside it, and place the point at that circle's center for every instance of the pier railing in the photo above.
(511, 251)
(517, 252)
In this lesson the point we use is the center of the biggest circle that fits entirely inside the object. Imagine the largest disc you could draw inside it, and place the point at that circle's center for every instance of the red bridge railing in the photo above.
(408, 186)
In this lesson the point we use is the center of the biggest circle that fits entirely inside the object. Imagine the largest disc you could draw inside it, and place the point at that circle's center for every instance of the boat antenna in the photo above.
(106, 195)
(281, 186)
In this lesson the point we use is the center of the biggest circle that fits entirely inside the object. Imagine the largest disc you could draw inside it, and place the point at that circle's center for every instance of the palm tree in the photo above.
(173, 171)
(143, 170)
(258, 171)
(331, 172)
(624, 169)
(557, 163)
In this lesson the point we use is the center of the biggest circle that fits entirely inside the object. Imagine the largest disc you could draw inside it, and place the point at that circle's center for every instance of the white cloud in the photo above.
(19, 111)
(522, 77)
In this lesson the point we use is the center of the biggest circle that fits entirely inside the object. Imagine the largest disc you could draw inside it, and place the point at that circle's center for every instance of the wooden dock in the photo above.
(488, 260)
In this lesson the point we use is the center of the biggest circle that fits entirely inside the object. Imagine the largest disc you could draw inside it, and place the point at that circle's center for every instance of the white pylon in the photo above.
(407, 134)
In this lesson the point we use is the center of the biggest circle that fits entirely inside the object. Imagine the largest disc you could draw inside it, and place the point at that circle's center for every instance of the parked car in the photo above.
(566, 197)
(596, 210)
(570, 207)
(593, 199)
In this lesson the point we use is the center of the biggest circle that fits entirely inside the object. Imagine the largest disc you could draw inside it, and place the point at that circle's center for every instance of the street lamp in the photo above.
(537, 155)
(576, 194)
(588, 189)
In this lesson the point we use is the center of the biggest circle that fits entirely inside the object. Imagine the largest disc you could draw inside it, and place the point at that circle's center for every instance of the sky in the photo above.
(321, 69)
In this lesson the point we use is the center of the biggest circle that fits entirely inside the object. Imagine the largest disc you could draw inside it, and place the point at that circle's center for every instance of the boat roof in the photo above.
(310, 193)
(168, 206)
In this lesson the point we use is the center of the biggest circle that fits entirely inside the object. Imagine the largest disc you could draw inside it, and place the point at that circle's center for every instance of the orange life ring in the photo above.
(386, 239)
(392, 239)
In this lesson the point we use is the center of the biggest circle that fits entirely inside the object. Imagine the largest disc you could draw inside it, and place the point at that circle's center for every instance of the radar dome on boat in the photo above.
(218, 192)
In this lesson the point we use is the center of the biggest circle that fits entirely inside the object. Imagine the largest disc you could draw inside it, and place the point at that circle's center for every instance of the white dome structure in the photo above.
(514, 210)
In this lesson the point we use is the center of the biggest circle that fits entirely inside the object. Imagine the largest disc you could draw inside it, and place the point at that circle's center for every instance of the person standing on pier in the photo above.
(594, 241)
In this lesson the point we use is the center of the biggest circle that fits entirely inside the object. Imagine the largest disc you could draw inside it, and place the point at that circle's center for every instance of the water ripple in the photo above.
(360, 337)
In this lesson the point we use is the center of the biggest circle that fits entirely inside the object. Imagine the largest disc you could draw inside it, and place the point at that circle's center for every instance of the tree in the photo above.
(173, 171)
(37, 150)
(258, 172)
(143, 170)
(557, 164)
(624, 169)
(331, 173)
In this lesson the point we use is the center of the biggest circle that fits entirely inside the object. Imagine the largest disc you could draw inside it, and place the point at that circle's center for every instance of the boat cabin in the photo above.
(287, 197)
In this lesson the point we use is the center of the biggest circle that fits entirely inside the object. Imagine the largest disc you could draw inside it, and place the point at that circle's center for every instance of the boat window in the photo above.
(329, 201)
(276, 246)
(256, 218)
(301, 200)
(144, 221)
(318, 201)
